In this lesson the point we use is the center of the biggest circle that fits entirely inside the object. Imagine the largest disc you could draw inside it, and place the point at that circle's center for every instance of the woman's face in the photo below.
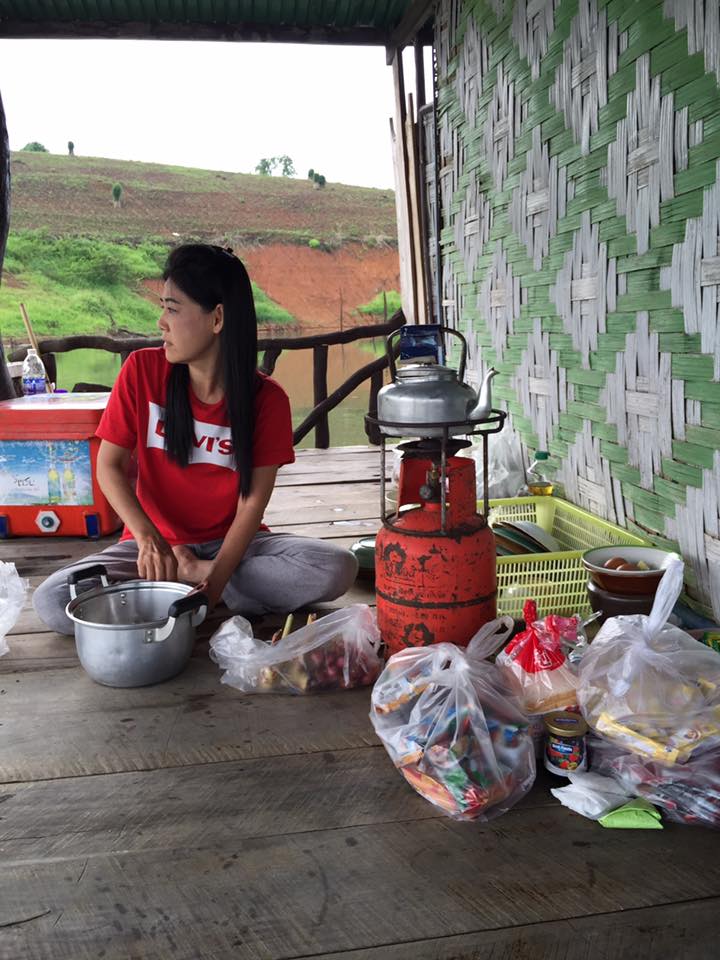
(189, 333)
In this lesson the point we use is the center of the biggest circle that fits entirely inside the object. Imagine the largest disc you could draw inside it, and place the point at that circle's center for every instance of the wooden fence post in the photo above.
(270, 358)
(320, 365)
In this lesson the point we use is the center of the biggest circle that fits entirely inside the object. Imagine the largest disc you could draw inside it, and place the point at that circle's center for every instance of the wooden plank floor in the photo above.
(190, 821)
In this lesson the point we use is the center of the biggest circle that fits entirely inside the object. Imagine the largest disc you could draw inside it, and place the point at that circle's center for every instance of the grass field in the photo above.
(75, 285)
(73, 196)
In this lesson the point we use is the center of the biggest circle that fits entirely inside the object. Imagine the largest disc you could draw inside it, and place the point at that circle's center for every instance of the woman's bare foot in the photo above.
(191, 568)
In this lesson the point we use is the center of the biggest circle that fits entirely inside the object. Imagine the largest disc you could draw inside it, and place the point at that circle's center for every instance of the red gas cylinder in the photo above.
(434, 584)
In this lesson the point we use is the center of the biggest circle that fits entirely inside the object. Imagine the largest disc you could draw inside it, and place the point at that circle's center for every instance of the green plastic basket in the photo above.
(557, 581)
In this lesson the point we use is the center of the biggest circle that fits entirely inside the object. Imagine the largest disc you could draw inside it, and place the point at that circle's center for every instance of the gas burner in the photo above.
(432, 447)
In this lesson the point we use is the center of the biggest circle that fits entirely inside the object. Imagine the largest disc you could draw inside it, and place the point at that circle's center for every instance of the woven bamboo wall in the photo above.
(580, 190)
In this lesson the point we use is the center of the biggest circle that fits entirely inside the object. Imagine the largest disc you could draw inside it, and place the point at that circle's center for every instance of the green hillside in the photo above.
(80, 263)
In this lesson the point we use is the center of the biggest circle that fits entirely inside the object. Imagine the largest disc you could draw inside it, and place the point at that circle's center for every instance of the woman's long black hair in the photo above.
(211, 275)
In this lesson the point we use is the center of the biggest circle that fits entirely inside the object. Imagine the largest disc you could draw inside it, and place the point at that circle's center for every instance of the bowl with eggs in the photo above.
(627, 570)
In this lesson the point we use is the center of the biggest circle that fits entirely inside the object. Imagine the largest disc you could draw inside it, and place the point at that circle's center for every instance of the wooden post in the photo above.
(372, 431)
(7, 391)
(320, 364)
(419, 73)
(402, 198)
(270, 358)
(415, 198)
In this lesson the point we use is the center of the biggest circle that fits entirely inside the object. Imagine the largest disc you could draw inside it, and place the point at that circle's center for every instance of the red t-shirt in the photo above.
(197, 503)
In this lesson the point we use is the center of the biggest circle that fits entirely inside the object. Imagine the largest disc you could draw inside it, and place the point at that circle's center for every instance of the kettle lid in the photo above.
(413, 372)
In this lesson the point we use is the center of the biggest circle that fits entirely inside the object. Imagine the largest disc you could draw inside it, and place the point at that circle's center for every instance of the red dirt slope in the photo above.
(321, 288)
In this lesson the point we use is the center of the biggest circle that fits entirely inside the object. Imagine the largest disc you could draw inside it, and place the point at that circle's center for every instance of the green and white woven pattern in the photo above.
(580, 191)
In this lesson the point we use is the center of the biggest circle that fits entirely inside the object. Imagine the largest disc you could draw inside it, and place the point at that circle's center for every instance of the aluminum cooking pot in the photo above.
(134, 633)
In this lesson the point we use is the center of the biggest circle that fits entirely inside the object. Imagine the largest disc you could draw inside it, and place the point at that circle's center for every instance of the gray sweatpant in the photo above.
(278, 573)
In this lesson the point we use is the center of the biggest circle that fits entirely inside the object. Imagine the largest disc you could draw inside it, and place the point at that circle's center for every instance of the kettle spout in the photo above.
(484, 401)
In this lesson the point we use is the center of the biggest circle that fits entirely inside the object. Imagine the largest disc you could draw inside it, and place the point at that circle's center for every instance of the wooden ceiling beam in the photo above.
(156, 30)
(414, 19)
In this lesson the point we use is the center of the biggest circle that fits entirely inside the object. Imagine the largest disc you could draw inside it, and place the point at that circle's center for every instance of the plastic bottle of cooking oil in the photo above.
(537, 483)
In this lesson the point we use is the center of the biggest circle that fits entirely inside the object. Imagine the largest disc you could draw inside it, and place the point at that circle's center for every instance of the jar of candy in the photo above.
(565, 742)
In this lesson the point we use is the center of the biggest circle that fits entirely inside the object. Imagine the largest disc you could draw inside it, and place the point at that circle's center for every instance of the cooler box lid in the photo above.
(50, 416)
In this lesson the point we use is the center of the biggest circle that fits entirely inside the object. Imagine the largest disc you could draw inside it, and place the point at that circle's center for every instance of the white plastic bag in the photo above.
(12, 598)
(335, 652)
(650, 687)
(591, 794)
(506, 471)
(453, 727)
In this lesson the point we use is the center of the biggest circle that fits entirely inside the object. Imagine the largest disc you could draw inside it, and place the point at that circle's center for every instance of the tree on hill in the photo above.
(267, 166)
(318, 180)
(71, 148)
(35, 147)
(117, 194)
(311, 174)
(287, 167)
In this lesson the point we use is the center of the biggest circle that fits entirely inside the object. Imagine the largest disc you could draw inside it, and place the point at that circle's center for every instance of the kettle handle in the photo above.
(455, 333)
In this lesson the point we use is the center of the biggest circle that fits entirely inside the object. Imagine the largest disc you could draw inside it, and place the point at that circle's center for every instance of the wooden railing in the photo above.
(270, 349)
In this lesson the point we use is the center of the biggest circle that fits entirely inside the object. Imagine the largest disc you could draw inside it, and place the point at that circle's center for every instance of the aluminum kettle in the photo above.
(424, 396)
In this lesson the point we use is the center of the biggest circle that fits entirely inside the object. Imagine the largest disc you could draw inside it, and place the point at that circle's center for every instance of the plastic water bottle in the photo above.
(33, 374)
(537, 483)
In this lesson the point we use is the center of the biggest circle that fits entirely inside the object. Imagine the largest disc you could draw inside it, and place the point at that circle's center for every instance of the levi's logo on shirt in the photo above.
(212, 443)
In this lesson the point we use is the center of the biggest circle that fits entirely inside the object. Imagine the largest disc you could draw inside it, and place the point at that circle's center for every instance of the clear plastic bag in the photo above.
(335, 652)
(12, 597)
(650, 687)
(453, 726)
(506, 471)
(537, 658)
(686, 792)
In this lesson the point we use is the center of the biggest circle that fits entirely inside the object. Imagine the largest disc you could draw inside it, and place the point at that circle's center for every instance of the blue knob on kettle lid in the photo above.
(422, 343)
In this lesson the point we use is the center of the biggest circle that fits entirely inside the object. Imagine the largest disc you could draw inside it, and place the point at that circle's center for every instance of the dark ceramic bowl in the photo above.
(627, 582)
(617, 605)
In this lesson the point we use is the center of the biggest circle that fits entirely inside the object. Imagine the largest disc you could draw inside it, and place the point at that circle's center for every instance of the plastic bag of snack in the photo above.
(649, 687)
(12, 598)
(335, 652)
(453, 726)
(685, 792)
(537, 658)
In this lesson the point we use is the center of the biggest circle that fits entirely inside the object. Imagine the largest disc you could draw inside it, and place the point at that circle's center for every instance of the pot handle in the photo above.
(85, 573)
(192, 602)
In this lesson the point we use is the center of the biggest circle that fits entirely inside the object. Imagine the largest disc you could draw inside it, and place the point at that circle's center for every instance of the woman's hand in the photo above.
(156, 560)
(211, 590)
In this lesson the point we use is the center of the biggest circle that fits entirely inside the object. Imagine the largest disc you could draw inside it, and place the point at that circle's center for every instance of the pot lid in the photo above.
(99, 603)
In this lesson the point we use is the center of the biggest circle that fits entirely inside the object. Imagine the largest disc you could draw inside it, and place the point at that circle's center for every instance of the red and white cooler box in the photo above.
(48, 454)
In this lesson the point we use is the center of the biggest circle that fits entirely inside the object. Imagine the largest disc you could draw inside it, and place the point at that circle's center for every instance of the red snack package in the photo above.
(537, 659)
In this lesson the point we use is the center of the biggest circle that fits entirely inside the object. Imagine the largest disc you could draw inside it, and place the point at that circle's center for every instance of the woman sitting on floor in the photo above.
(210, 433)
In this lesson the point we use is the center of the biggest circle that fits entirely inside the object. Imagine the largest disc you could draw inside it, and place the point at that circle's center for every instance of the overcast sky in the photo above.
(219, 106)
